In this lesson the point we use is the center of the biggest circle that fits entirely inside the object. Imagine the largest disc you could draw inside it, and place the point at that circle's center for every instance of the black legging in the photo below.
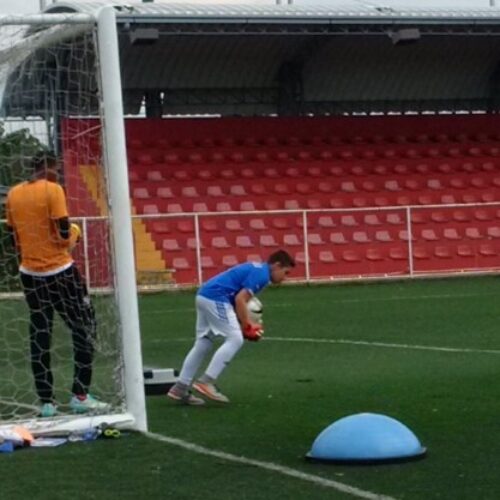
(65, 293)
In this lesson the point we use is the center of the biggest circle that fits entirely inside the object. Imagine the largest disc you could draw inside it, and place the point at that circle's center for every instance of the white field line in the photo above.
(348, 301)
(269, 466)
(387, 345)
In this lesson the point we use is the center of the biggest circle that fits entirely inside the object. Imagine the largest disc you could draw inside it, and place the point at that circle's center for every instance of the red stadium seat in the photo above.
(398, 253)
(315, 239)
(161, 227)
(257, 224)
(372, 220)
(440, 216)
(348, 220)
(185, 226)
(487, 250)
(192, 244)
(325, 187)
(351, 256)
(154, 175)
(465, 251)
(392, 185)
(291, 204)
(204, 174)
(461, 215)
(360, 237)
(383, 236)
(207, 262)
(152, 208)
(442, 252)
(141, 194)
(233, 225)
(254, 258)
(303, 188)
(247, 206)
(215, 191)
(281, 223)
(314, 203)
(171, 245)
(326, 257)
(237, 190)
(209, 225)
(403, 235)
(420, 253)
(292, 172)
(267, 240)
(394, 219)
(326, 221)
(189, 192)
(200, 207)
(219, 242)
(223, 206)
(258, 189)
(173, 208)
(291, 240)
(229, 260)
(348, 187)
(164, 192)
(271, 204)
(374, 254)
(483, 215)
(338, 239)
(429, 235)
(450, 233)
(180, 263)
(244, 242)
(473, 233)
(494, 232)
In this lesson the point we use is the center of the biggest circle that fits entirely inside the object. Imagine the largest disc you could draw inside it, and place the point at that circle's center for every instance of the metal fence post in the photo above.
(306, 246)
(410, 239)
(198, 248)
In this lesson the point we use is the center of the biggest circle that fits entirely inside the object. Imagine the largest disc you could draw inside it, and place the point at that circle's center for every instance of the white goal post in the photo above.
(118, 353)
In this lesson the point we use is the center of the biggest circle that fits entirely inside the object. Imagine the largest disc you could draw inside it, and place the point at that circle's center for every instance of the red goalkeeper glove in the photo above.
(253, 332)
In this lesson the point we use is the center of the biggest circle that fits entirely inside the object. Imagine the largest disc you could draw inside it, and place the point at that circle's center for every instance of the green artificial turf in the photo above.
(284, 392)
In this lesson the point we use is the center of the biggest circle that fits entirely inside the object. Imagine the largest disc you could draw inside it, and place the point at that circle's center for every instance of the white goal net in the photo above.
(51, 99)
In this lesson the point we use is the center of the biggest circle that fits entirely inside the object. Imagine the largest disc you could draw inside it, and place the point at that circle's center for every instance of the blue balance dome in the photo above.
(366, 438)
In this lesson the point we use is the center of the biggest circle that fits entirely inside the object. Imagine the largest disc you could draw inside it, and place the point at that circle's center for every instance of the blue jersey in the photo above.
(225, 286)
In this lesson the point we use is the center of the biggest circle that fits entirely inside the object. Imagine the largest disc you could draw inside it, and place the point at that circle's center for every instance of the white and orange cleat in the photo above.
(210, 391)
(184, 398)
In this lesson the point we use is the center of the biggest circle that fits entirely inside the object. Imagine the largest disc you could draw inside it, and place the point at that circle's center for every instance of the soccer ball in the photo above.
(255, 307)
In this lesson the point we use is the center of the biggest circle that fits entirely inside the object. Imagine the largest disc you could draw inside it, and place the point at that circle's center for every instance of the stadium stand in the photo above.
(231, 165)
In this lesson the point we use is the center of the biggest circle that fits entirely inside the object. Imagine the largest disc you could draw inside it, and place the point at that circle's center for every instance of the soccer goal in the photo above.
(60, 89)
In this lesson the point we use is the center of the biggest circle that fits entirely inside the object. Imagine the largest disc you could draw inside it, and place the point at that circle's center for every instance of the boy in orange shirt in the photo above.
(37, 216)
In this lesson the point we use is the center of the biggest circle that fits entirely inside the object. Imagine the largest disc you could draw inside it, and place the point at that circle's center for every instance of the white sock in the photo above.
(223, 356)
(193, 360)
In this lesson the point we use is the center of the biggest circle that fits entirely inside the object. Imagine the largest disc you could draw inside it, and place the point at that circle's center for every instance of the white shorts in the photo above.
(216, 318)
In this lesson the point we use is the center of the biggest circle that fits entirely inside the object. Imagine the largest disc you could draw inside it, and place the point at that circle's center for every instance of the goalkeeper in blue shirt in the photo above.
(221, 311)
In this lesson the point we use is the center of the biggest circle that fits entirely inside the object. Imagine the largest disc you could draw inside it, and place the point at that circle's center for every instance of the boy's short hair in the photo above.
(281, 257)
(42, 160)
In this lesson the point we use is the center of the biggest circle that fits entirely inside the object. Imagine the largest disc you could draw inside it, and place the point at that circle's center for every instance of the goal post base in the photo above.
(64, 425)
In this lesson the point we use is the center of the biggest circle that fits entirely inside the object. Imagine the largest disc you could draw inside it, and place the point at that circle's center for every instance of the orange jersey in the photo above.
(32, 210)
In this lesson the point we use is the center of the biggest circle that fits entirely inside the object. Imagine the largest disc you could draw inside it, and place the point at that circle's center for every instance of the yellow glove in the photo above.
(75, 235)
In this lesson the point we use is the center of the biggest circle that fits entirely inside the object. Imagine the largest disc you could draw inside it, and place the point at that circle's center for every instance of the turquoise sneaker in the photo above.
(88, 405)
(48, 410)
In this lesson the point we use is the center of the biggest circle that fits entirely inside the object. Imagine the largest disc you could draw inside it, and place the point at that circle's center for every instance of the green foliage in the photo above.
(16, 150)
